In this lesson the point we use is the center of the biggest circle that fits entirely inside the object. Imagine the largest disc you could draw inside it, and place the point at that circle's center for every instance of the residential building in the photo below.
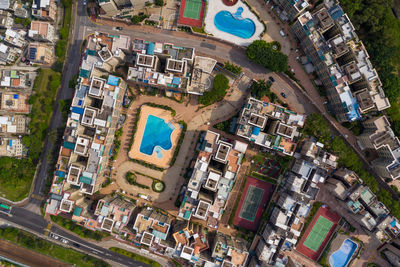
(41, 31)
(313, 151)
(379, 136)
(14, 102)
(390, 227)
(212, 179)
(99, 54)
(121, 8)
(309, 171)
(190, 239)
(291, 9)
(40, 53)
(88, 139)
(152, 229)
(5, 4)
(113, 213)
(358, 198)
(341, 62)
(170, 67)
(12, 78)
(13, 124)
(15, 38)
(44, 9)
(391, 252)
(6, 20)
(19, 10)
(270, 126)
(11, 147)
(229, 251)
(8, 54)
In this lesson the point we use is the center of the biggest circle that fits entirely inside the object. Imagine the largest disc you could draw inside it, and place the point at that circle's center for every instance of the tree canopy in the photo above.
(263, 54)
(217, 93)
(261, 88)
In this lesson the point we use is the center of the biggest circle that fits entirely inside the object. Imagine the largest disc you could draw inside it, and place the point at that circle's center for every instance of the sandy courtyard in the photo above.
(154, 158)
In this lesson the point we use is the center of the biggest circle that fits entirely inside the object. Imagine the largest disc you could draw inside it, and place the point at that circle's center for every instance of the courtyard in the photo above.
(156, 136)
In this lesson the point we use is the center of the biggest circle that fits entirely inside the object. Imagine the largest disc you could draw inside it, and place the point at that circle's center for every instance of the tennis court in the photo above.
(192, 9)
(318, 233)
(251, 203)
(191, 13)
(253, 200)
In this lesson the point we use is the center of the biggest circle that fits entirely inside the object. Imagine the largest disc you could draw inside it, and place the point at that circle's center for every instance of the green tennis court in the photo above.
(251, 203)
(318, 233)
(192, 9)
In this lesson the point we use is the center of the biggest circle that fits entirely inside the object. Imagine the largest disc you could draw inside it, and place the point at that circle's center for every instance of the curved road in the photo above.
(29, 215)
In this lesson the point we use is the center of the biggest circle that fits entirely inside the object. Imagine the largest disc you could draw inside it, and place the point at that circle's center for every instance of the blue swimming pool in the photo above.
(341, 257)
(156, 136)
(234, 24)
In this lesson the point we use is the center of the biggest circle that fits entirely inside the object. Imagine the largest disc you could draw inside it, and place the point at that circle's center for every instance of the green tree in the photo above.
(262, 53)
(217, 93)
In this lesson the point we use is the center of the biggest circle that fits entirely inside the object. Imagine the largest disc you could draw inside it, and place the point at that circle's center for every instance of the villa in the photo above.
(270, 126)
(212, 179)
(170, 67)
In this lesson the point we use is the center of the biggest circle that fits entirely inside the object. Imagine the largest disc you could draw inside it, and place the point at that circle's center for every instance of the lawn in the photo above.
(136, 257)
(22, 170)
(44, 247)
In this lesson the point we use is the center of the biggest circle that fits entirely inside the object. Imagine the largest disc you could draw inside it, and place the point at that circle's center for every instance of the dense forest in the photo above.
(379, 29)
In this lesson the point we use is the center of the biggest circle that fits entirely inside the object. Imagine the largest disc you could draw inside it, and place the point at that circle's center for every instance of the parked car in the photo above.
(119, 28)
(271, 79)
(282, 33)
(283, 95)
(84, 2)
(76, 245)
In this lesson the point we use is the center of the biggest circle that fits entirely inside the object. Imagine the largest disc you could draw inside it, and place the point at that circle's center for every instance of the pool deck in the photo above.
(135, 153)
(216, 6)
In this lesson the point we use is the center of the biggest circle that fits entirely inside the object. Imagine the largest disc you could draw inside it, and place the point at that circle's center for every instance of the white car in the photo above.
(64, 241)
(282, 33)
(84, 2)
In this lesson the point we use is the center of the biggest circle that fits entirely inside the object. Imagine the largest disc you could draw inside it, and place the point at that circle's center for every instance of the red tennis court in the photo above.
(191, 13)
(255, 198)
(317, 235)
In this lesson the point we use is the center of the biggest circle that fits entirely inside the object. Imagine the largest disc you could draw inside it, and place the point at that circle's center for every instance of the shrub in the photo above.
(232, 68)
(138, 18)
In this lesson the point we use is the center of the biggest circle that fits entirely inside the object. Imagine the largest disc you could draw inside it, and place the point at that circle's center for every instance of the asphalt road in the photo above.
(37, 224)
